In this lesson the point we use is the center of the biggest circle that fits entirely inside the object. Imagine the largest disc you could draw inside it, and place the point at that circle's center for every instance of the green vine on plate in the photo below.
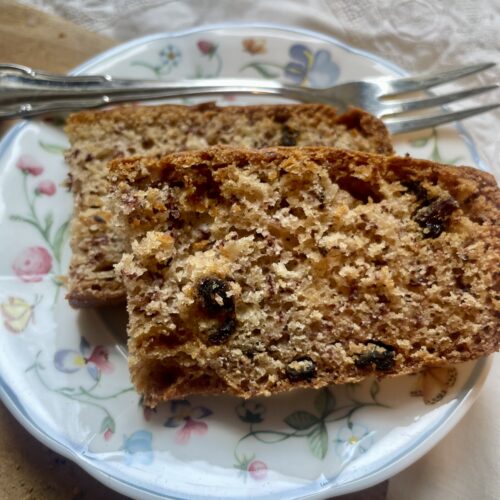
(303, 424)
(36, 261)
(86, 396)
(211, 60)
(265, 69)
(435, 153)
(52, 148)
(168, 58)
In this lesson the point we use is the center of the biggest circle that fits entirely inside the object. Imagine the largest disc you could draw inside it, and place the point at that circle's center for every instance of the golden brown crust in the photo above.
(255, 272)
(99, 136)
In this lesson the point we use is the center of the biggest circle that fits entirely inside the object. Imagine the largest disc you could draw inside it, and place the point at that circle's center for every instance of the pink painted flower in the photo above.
(46, 187)
(32, 263)
(95, 360)
(188, 417)
(108, 427)
(29, 165)
(207, 48)
(100, 358)
(257, 470)
(191, 426)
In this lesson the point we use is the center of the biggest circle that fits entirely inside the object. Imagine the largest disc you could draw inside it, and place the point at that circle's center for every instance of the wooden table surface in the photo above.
(29, 470)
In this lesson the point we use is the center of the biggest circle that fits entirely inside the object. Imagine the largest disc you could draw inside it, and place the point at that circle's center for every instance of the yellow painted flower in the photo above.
(17, 314)
(433, 384)
(254, 46)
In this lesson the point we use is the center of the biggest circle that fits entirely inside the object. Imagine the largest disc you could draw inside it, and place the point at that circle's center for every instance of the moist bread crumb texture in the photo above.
(97, 137)
(255, 272)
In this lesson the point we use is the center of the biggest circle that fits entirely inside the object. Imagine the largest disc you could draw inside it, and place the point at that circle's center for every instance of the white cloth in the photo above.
(419, 35)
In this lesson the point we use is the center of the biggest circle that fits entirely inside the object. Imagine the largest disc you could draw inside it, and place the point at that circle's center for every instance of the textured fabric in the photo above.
(419, 35)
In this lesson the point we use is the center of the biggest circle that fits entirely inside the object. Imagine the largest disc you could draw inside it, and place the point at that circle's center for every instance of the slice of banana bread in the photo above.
(97, 137)
(261, 271)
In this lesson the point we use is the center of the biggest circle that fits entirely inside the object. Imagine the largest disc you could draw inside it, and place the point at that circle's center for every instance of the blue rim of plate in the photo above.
(399, 461)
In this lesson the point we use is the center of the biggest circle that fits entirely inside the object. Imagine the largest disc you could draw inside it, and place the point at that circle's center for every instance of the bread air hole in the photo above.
(163, 376)
(359, 189)
(147, 143)
(166, 341)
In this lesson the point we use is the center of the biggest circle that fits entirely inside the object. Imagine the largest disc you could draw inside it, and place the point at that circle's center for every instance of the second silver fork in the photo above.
(25, 92)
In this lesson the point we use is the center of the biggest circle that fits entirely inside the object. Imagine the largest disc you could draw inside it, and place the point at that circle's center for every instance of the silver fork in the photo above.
(25, 92)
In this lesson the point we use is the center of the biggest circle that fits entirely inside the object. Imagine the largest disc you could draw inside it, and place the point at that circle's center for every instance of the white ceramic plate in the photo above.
(63, 373)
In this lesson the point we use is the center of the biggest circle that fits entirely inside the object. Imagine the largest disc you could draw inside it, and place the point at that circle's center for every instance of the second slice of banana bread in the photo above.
(99, 136)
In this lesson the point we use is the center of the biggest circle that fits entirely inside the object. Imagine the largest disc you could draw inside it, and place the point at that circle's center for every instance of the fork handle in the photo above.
(26, 92)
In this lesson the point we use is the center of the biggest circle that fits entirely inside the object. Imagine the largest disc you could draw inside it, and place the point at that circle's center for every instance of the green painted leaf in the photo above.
(301, 420)
(52, 148)
(261, 68)
(436, 156)
(198, 73)
(49, 220)
(59, 240)
(108, 423)
(318, 441)
(374, 389)
(21, 218)
(420, 142)
(324, 402)
(66, 389)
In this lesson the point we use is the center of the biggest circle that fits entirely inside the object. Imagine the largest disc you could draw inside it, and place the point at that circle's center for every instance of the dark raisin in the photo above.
(99, 219)
(434, 219)
(289, 136)
(418, 190)
(223, 332)
(281, 115)
(89, 157)
(302, 368)
(379, 354)
(213, 291)
(359, 189)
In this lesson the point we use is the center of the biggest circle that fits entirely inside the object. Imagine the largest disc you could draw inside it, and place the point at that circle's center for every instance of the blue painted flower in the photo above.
(188, 417)
(138, 448)
(313, 68)
(170, 56)
(353, 440)
(94, 360)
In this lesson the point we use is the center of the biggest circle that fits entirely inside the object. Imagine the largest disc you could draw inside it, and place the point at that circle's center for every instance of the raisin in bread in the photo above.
(261, 271)
(97, 137)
